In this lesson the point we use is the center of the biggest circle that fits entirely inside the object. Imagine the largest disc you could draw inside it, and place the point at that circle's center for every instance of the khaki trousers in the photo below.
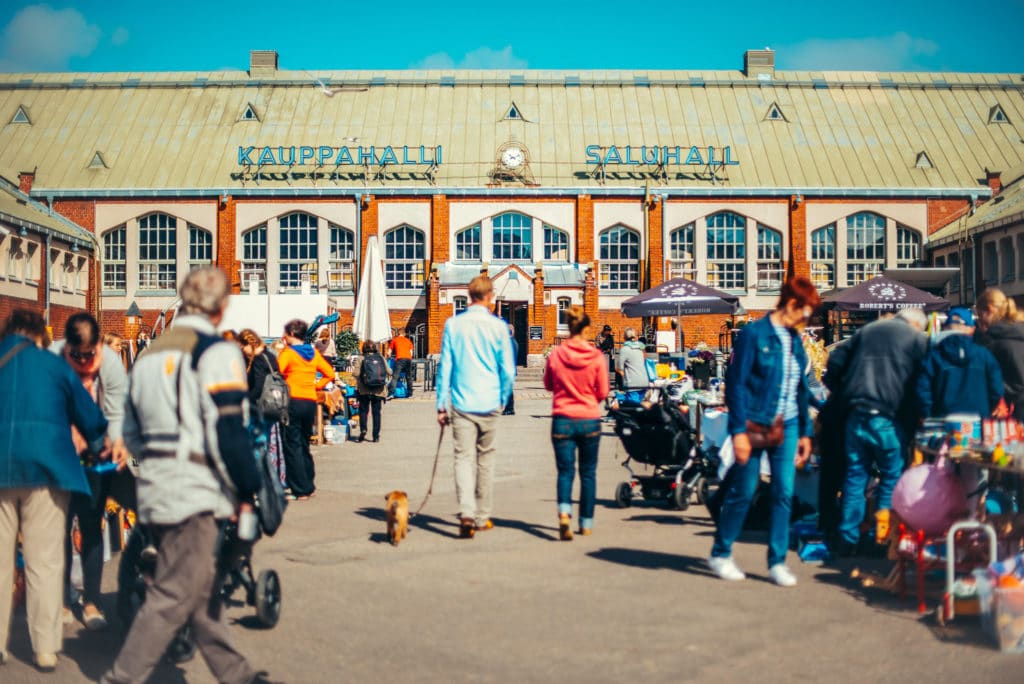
(40, 513)
(186, 572)
(474, 435)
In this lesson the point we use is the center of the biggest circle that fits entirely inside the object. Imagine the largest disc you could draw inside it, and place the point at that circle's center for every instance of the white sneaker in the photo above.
(782, 575)
(726, 569)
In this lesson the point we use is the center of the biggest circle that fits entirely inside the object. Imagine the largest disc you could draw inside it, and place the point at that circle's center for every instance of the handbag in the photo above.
(765, 436)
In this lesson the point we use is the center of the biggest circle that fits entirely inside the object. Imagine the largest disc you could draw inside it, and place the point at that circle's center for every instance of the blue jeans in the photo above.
(869, 439)
(741, 483)
(569, 435)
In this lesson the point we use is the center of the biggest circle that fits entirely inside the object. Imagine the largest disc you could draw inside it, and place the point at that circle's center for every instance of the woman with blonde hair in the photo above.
(577, 375)
(260, 363)
(1000, 330)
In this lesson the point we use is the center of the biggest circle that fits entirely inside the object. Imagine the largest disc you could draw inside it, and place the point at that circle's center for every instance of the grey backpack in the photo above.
(273, 402)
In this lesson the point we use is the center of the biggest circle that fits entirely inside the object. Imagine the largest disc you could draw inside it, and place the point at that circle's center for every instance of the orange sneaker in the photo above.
(565, 527)
(586, 531)
(467, 528)
(485, 525)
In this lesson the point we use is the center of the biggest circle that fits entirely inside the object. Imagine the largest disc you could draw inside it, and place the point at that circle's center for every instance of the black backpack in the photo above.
(374, 372)
(274, 397)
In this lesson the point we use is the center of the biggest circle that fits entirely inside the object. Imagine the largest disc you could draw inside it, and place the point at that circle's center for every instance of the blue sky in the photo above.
(186, 35)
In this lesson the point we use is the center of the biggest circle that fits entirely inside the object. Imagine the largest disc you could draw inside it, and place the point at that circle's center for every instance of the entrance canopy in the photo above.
(680, 297)
(881, 294)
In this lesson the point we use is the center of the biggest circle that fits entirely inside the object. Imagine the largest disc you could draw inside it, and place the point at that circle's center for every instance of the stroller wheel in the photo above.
(624, 494)
(268, 598)
(681, 497)
(701, 491)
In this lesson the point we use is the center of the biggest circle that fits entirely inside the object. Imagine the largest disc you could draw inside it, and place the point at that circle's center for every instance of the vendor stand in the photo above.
(876, 296)
(680, 297)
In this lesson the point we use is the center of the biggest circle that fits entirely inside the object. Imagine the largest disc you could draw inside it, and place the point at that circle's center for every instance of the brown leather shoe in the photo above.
(565, 527)
(586, 531)
(467, 528)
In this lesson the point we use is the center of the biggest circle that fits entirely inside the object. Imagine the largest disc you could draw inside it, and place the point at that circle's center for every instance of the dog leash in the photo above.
(433, 474)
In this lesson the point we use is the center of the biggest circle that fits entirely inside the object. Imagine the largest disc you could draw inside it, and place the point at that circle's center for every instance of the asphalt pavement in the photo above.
(632, 603)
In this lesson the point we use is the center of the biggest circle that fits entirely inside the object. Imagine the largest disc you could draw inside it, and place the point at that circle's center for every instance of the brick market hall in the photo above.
(574, 187)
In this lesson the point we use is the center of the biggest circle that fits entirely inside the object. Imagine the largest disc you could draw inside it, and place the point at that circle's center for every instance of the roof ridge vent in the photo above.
(997, 115)
(98, 162)
(923, 161)
(21, 116)
(262, 63)
(759, 64)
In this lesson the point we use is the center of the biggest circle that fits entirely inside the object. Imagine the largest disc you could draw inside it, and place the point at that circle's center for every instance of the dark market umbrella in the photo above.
(881, 294)
(680, 297)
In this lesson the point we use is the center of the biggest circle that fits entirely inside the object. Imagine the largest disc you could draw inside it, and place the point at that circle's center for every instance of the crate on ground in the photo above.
(1002, 614)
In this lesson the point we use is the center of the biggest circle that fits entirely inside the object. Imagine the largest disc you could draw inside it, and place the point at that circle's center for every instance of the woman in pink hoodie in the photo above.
(577, 374)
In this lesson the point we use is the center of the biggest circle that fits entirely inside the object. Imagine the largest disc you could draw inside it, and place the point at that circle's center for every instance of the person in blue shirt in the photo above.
(474, 383)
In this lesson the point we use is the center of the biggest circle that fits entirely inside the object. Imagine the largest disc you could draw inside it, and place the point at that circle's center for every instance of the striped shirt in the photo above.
(788, 407)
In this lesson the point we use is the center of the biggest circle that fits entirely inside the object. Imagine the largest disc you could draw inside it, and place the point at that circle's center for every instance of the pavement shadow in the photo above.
(529, 528)
(668, 519)
(422, 521)
(653, 560)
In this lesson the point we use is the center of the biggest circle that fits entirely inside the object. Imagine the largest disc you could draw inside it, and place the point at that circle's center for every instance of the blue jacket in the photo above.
(959, 376)
(755, 374)
(40, 400)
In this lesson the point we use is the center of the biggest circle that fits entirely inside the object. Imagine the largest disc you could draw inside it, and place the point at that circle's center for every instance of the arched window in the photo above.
(727, 251)
(467, 244)
(158, 252)
(823, 257)
(513, 237)
(200, 247)
(770, 272)
(299, 259)
(556, 244)
(341, 268)
(115, 252)
(908, 246)
(563, 307)
(680, 253)
(619, 255)
(459, 304)
(254, 258)
(404, 253)
(865, 247)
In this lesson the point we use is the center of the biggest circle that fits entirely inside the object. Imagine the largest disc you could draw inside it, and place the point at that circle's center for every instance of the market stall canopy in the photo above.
(883, 294)
(680, 297)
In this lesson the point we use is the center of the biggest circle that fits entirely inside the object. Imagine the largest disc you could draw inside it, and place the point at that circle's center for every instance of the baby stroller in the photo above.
(657, 433)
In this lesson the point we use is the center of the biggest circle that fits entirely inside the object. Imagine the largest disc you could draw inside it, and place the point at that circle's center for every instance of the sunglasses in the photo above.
(83, 355)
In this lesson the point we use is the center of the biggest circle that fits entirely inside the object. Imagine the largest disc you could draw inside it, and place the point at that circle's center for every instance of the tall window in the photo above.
(459, 304)
(254, 257)
(404, 252)
(158, 247)
(727, 251)
(865, 247)
(341, 269)
(1020, 256)
(556, 244)
(989, 263)
(970, 273)
(620, 259)
(513, 237)
(954, 262)
(908, 246)
(1008, 261)
(467, 244)
(769, 259)
(298, 250)
(200, 247)
(115, 252)
(563, 309)
(823, 257)
(680, 252)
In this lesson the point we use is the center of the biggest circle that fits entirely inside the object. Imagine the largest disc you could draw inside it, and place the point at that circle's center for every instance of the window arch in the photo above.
(254, 257)
(727, 251)
(341, 263)
(158, 252)
(908, 246)
(298, 250)
(512, 235)
(823, 257)
(563, 309)
(865, 247)
(681, 249)
(556, 244)
(115, 253)
(404, 254)
(770, 272)
(467, 244)
(200, 247)
(619, 256)
(459, 304)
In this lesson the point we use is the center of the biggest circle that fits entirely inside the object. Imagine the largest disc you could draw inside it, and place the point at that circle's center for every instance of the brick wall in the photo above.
(440, 249)
(369, 222)
(942, 212)
(226, 246)
(798, 263)
(435, 316)
(656, 247)
(584, 229)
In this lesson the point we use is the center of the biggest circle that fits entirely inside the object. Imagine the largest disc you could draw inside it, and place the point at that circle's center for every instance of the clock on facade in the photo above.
(513, 156)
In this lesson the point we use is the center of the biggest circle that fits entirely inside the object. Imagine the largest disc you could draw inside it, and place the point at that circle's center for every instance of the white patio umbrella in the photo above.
(371, 320)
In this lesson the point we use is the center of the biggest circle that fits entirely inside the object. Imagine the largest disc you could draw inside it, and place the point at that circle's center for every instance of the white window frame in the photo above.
(770, 271)
(298, 237)
(612, 269)
(908, 246)
(459, 304)
(158, 273)
(115, 261)
(556, 241)
(519, 224)
(464, 242)
(404, 273)
(562, 304)
(861, 268)
(823, 257)
(341, 265)
(203, 244)
(253, 266)
(682, 251)
(727, 258)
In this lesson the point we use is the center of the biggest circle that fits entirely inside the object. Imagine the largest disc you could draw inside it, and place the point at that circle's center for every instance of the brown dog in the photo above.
(397, 508)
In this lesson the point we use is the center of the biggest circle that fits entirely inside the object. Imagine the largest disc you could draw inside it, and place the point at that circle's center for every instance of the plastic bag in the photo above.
(929, 497)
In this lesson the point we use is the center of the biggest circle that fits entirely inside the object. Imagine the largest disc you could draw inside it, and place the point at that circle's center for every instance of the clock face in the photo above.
(513, 157)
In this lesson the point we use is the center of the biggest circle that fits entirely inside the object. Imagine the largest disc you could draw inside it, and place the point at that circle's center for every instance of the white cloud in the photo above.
(898, 52)
(40, 38)
(481, 58)
(120, 36)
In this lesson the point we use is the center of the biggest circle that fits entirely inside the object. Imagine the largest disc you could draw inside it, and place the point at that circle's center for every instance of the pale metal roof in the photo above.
(18, 209)
(182, 130)
(1005, 208)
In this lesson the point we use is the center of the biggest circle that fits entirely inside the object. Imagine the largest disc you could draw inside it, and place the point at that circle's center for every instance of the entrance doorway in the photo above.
(517, 314)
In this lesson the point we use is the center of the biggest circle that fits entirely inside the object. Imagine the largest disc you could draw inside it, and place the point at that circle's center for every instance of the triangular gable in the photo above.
(249, 113)
(513, 113)
(997, 115)
(21, 116)
(775, 113)
(505, 273)
(98, 162)
(923, 161)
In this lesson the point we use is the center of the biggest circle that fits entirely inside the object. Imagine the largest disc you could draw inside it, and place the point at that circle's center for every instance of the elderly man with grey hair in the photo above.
(876, 370)
(631, 368)
(185, 422)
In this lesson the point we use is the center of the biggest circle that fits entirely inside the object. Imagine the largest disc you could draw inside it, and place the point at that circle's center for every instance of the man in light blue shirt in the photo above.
(474, 383)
